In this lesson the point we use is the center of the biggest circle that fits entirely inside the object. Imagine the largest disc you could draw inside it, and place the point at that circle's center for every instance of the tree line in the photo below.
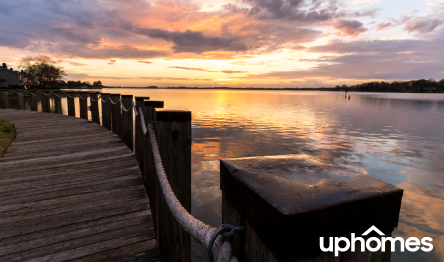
(414, 86)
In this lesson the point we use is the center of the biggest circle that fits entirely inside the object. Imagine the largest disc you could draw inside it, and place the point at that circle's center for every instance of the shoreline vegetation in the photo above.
(7, 135)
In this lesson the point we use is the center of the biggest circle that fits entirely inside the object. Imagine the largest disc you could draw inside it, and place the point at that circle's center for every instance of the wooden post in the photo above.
(106, 111)
(173, 130)
(58, 102)
(71, 104)
(83, 102)
(116, 115)
(45, 102)
(95, 108)
(138, 138)
(287, 203)
(19, 99)
(147, 160)
(33, 100)
(26, 102)
(127, 121)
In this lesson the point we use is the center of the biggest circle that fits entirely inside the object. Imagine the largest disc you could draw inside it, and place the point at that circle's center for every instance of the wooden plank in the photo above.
(71, 104)
(83, 102)
(95, 108)
(116, 115)
(106, 111)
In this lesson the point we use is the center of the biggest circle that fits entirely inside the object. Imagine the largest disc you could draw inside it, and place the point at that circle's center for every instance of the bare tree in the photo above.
(42, 68)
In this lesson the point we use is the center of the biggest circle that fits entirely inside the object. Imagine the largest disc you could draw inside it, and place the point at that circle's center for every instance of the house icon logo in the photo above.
(374, 244)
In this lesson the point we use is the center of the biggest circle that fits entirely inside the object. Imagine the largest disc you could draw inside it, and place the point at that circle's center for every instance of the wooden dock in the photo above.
(71, 190)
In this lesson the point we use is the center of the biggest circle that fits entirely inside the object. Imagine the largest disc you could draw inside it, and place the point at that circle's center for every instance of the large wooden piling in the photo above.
(116, 114)
(95, 117)
(287, 203)
(173, 129)
(58, 102)
(106, 111)
(138, 137)
(2, 100)
(71, 103)
(45, 102)
(127, 121)
(83, 102)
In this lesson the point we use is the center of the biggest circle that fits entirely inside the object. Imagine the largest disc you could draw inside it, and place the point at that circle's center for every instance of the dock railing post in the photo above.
(33, 100)
(127, 121)
(83, 102)
(71, 103)
(45, 102)
(106, 111)
(138, 138)
(19, 99)
(116, 115)
(58, 102)
(95, 117)
(147, 160)
(290, 204)
(173, 130)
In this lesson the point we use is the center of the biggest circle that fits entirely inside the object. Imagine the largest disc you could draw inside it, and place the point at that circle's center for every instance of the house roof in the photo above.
(3, 81)
(12, 72)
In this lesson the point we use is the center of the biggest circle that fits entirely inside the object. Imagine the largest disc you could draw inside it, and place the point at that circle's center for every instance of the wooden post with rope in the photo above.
(58, 102)
(33, 100)
(45, 102)
(95, 117)
(71, 104)
(127, 121)
(173, 131)
(106, 111)
(116, 115)
(138, 149)
(83, 102)
(287, 203)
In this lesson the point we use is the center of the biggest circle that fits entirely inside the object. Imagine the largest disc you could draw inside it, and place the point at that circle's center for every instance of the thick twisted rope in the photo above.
(200, 231)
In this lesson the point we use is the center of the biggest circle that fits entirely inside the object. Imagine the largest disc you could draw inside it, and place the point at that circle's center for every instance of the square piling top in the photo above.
(292, 200)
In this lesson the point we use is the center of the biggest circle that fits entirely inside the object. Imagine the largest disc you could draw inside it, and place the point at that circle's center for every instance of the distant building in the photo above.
(11, 76)
(83, 87)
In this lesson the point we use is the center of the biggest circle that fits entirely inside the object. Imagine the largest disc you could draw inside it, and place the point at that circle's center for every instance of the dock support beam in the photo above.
(127, 121)
(173, 130)
(58, 102)
(83, 102)
(71, 104)
(138, 149)
(116, 115)
(94, 109)
(106, 111)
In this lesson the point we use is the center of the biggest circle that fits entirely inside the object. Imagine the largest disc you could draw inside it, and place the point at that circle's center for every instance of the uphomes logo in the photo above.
(412, 244)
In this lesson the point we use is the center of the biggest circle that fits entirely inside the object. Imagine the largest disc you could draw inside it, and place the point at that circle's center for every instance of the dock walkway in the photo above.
(71, 190)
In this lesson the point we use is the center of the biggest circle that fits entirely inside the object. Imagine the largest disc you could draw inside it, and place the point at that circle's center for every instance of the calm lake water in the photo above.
(398, 138)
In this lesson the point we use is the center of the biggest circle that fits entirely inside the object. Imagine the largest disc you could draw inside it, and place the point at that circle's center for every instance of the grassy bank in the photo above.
(7, 134)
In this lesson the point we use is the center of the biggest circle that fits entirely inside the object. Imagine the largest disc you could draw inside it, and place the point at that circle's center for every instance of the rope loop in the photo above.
(226, 231)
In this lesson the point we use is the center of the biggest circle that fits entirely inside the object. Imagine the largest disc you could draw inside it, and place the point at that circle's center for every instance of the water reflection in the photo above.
(397, 138)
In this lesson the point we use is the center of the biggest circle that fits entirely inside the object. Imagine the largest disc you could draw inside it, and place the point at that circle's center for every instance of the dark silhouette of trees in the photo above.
(43, 69)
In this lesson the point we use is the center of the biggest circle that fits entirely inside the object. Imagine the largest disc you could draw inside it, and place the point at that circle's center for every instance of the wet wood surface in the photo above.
(71, 190)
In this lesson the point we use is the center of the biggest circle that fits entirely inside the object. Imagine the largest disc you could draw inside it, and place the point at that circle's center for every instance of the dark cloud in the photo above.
(192, 68)
(145, 62)
(80, 76)
(112, 62)
(422, 26)
(349, 27)
(194, 41)
(307, 11)
(122, 52)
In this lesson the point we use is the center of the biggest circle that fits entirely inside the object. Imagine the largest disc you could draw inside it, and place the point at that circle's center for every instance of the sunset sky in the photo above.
(262, 43)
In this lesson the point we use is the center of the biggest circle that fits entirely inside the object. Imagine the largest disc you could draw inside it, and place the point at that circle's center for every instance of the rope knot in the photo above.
(226, 231)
